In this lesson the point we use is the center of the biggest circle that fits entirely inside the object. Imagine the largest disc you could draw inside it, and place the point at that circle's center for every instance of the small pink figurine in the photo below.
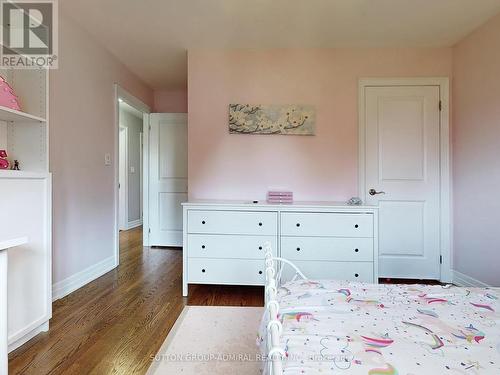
(7, 96)
(4, 163)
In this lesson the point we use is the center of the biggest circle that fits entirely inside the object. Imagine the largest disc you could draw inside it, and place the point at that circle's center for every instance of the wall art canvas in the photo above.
(272, 119)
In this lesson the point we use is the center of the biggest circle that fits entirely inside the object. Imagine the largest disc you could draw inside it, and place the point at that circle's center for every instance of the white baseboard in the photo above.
(76, 281)
(27, 337)
(134, 224)
(461, 279)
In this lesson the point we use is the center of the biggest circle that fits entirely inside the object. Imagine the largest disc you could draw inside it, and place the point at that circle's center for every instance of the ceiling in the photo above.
(151, 37)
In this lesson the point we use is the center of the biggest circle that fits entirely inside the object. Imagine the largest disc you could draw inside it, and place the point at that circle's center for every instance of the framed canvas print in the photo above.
(291, 119)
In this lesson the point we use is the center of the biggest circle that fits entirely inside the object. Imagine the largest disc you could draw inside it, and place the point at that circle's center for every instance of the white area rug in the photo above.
(211, 340)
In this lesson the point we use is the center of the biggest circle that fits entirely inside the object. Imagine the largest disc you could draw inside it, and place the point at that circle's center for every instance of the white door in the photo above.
(122, 178)
(402, 148)
(167, 177)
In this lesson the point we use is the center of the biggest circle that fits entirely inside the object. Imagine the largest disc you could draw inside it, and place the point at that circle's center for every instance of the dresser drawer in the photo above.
(228, 246)
(226, 271)
(327, 248)
(326, 224)
(352, 271)
(233, 222)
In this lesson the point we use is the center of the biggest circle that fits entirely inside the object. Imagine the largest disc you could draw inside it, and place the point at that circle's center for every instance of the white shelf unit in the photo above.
(26, 209)
(12, 115)
(24, 134)
(22, 174)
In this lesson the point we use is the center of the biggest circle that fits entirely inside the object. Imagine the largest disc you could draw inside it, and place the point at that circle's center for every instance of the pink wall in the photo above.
(476, 150)
(321, 167)
(81, 132)
(170, 101)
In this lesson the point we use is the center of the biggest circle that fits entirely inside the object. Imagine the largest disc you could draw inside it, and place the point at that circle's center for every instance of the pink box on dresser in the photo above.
(280, 197)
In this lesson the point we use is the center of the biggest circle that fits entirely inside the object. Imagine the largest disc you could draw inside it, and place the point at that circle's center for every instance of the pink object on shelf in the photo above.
(280, 197)
(7, 96)
(4, 163)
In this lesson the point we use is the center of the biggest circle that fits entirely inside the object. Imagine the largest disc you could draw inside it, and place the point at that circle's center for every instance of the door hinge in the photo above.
(440, 105)
(440, 259)
(149, 230)
(149, 127)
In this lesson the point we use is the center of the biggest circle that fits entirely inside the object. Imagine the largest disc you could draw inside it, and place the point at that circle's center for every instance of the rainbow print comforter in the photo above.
(334, 327)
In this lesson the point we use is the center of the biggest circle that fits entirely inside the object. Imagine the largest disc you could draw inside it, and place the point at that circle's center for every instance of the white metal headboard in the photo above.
(274, 270)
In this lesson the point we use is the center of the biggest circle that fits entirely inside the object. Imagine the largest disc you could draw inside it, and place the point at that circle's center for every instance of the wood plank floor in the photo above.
(117, 323)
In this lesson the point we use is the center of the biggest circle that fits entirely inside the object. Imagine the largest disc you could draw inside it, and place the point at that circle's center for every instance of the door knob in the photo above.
(374, 192)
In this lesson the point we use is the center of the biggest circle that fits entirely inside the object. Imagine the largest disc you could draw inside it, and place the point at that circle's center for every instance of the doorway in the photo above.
(131, 121)
(130, 169)
(404, 170)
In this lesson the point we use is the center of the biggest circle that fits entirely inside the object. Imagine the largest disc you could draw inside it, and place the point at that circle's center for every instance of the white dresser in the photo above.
(27, 205)
(223, 241)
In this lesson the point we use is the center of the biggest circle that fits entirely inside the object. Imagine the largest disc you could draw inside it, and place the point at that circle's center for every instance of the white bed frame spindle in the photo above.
(276, 354)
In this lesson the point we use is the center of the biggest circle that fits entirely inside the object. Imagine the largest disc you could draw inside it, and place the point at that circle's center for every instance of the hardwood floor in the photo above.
(117, 323)
(409, 281)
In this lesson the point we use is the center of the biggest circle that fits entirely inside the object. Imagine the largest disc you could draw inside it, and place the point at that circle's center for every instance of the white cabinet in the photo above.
(26, 206)
(4, 246)
(27, 212)
(353, 271)
(327, 248)
(232, 222)
(326, 224)
(223, 246)
(223, 241)
(330, 245)
(226, 271)
(226, 246)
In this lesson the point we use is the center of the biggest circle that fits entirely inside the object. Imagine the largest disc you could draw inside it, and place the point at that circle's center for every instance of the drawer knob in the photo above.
(203, 222)
(356, 226)
(298, 224)
(356, 250)
(260, 247)
(298, 249)
(260, 272)
(260, 224)
(356, 274)
(202, 246)
(203, 270)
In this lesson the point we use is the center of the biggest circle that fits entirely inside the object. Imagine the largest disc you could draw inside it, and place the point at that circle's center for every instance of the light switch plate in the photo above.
(107, 159)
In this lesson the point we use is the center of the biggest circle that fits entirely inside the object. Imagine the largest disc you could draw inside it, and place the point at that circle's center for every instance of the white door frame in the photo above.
(145, 179)
(119, 92)
(445, 177)
(123, 206)
(141, 167)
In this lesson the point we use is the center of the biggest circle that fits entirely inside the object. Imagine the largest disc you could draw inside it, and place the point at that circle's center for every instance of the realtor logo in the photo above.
(29, 34)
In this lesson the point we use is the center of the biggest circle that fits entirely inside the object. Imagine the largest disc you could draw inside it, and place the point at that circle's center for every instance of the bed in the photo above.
(340, 327)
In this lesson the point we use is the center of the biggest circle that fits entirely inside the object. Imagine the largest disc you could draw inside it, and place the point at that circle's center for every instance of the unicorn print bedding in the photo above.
(334, 327)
